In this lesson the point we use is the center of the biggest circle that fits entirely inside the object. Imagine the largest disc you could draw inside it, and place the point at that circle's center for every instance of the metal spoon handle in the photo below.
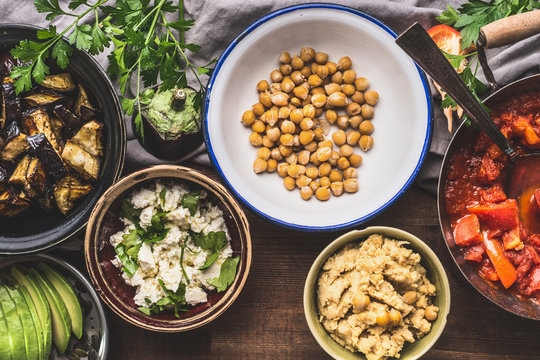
(418, 44)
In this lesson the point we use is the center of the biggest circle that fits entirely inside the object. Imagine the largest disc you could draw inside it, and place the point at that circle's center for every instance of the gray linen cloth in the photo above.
(217, 22)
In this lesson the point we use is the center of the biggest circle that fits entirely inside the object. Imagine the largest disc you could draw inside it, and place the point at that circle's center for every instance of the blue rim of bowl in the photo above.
(214, 161)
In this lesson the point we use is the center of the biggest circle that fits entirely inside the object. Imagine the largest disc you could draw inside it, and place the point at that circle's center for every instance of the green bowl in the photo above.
(435, 273)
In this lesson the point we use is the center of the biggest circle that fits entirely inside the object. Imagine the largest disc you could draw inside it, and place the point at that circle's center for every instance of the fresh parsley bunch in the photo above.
(148, 49)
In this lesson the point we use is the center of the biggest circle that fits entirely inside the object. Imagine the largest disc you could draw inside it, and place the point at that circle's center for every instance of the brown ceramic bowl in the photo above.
(105, 221)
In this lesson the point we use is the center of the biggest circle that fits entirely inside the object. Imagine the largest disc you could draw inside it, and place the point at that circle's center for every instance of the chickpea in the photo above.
(271, 117)
(349, 76)
(292, 159)
(271, 165)
(336, 188)
(262, 86)
(311, 147)
(285, 69)
(342, 122)
(306, 71)
(302, 181)
(273, 134)
(303, 157)
(289, 183)
(325, 181)
(326, 143)
(323, 153)
(313, 159)
(353, 109)
(331, 116)
(344, 63)
(306, 193)
(334, 158)
(301, 92)
(297, 77)
(276, 76)
(317, 90)
(255, 139)
(322, 193)
(314, 185)
(337, 77)
(282, 169)
(318, 100)
(297, 63)
(366, 127)
(346, 150)
(360, 303)
(348, 89)
(308, 111)
(276, 155)
(358, 97)
(265, 99)
(361, 84)
(431, 312)
(339, 137)
(307, 54)
(332, 67)
(284, 112)
(285, 58)
(280, 98)
(371, 97)
(331, 88)
(355, 121)
(296, 101)
(355, 160)
(306, 136)
(275, 87)
(259, 165)
(307, 124)
(338, 99)
(312, 172)
(307, 100)
(288, 127)
(293, 170)
(350, 185)
(335, 175)
(286, 139)
(352, 137)
(383, 319)
(314, 80)
(314, 67)
(323, 71)
(248, 118)
(296, 116)
(258, 109)
(285, 150)
(343, 163)
(365, 142)
(410, 297)
(287, 85)
(395, 317)
(350, 173)
(264, 153)
(321, 58)
(325, 169)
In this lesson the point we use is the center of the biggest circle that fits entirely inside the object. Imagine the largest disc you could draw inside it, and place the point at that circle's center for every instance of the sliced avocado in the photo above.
(61, 322)
(67, 293)
(29, 331)
(14, 325)
(5, 341)
(41, 304)
(35, 320)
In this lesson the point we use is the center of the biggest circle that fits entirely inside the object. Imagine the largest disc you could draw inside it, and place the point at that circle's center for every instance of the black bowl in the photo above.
(34, 230)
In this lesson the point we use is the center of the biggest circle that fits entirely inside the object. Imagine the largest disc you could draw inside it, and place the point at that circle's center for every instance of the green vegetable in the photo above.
(182, 260)
(190, 201)
(130, 265)
(176, 299)
(210, 260)
(162, 195)
(128, 211)
(145, 46)
(213, 241)
(226, 274)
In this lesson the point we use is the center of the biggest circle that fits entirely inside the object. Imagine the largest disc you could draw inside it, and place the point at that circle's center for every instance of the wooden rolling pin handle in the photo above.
(510, 30)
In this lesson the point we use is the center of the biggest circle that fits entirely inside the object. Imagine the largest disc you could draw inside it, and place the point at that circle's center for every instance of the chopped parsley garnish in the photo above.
(213, 241)
(190, 201)
(130, 265)
(226, 274)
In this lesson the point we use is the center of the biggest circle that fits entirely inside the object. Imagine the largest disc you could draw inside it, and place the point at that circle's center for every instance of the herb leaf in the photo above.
(226, 274)
(214, 240)
(210, 260)
(190, 201)
(130, 266)
(162, 195)
(128, 211)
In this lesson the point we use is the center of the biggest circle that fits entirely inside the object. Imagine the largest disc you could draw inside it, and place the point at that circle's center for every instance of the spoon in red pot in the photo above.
(524, 168)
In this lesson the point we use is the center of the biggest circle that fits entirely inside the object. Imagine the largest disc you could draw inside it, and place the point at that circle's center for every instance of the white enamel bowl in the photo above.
(402, 116)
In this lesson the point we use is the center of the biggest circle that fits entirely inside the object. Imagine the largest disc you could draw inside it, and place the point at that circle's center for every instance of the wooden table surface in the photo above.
(267, 320)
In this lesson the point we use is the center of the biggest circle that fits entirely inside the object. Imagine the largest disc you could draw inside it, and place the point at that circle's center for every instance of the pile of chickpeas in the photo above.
(296, 111)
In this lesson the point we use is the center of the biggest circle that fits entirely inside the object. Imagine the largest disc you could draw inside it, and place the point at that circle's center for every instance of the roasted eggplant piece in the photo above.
(82, 107)
(15, 145)
(7, 62)
(89, 138)
(58, 128)
(42, 98)
(30, 176)
(4, 176)
(13, 202)
(67, 191)
(67, 117)
(59, 82)
(36, 175)
(36, 121)
(11, 106)
(52, 161)
(81, 161)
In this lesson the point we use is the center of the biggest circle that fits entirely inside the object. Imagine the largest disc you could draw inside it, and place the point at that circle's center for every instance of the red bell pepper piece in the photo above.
(504, 268)
(467, 231)
(503, 215)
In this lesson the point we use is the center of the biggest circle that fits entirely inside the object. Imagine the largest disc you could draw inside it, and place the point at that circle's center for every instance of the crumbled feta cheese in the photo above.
(143, 198)
(180, 217)
(146, 258)
(195, 295)
(146, 216)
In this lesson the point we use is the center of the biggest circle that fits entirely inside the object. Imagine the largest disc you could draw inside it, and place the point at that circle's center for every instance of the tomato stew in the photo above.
(500, 235)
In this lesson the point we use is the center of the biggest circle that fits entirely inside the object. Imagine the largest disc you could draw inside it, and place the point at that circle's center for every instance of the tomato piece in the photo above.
(446, 38)
(505, 269)
(467, 231)
(503, 215)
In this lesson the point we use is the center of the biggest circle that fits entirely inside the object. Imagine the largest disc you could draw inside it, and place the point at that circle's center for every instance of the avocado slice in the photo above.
(29, 331)
(61, 322)
(35, 320)
(41, 304)
(67, 293)
(15, 330)
(5, 341)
